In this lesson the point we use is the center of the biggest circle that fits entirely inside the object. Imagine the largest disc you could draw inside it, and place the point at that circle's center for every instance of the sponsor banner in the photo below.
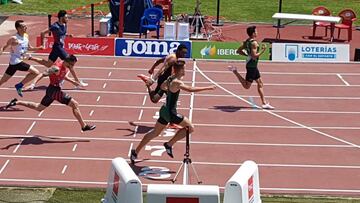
(220, 50)
(81, 46)
(216, 50)
(148, 48)
(291, 52)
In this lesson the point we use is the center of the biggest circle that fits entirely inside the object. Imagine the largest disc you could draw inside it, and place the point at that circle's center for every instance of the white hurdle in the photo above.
(243, 186)
(171, 193)
(123, 184)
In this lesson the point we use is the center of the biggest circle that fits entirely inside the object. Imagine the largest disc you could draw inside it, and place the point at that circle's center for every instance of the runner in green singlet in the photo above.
(168, 112)
(250, 49)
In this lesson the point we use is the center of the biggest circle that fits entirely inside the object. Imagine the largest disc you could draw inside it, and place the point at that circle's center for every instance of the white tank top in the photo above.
(17, 52)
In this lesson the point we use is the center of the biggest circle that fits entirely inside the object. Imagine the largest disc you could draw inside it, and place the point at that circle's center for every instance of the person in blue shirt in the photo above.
(59, 32)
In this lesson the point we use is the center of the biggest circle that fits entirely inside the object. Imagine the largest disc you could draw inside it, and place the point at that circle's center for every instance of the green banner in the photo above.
(220, 50)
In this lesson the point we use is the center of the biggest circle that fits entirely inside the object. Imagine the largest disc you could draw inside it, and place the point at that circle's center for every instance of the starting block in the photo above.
(243, 186)
(123, 184)
(171, 193)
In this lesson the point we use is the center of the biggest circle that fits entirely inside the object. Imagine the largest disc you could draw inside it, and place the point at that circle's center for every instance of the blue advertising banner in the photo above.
(148, 48)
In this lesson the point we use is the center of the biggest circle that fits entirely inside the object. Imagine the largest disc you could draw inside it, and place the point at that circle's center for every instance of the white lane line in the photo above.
(31, 127)
(98, 99)
(141, 113)
(192, 97)
(144, 101)
(104, 86)
(109, 139)
(222, 82)
(114, 64)
(40, 113)
(135, 131)
(109, 74)
(64, 169)
(53, 181)
(349, 167)
(91, 113)
(196, 124)
(4, 166)
(74, 148)
(343, 80)
(210, 109)
(205, 95)
(131, 146)
(17, 147)
(279, 116)
(321, 190)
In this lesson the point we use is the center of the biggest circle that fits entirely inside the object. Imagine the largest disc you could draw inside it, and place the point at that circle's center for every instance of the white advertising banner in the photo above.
(292, 52)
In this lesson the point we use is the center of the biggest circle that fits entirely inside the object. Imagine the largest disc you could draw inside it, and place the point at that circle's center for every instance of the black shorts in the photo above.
(55, 93)
(57, 52)
(11, 70)
(167, 116)
(252, 74)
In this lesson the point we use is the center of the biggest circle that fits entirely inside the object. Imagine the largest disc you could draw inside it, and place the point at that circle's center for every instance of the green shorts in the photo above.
(167, 116)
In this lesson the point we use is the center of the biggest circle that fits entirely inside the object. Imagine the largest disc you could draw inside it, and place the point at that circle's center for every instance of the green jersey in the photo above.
(250, 62)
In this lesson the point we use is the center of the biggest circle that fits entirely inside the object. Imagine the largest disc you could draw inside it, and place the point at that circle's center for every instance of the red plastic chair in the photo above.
(348, 16)
(321, 11)
(166, 6)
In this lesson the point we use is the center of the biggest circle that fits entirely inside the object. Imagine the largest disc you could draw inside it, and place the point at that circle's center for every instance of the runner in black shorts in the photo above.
(59, 32)
(250, 48)
(57, 73)
(164, 72)
(19, 45)
(168, 112)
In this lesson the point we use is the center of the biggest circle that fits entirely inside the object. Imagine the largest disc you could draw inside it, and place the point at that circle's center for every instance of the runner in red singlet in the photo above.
(57, 73)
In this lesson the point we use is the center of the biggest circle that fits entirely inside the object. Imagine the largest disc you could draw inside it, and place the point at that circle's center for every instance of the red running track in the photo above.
(308, 145)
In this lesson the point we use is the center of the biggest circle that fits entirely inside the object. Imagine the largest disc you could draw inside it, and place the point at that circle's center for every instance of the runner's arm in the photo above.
(51, 70)
(42, 36)
(241, 50)
(187, 88)
(254, 53)
(31, 48)
(10, 42)
(67, 78)
(73, 73)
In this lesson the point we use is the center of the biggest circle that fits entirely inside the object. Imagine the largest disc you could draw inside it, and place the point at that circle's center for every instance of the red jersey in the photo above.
(56, 79)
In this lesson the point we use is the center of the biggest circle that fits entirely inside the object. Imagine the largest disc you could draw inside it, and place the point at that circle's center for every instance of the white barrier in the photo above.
(170, 193)
(169, 31)
(183, 31)
(243, 186)
(104, 25)
(123, 184)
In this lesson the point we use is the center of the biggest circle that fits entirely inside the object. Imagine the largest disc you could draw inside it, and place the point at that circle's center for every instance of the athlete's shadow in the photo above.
(230, 108)
(10, 109)
(37, 140)
(141, 129)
